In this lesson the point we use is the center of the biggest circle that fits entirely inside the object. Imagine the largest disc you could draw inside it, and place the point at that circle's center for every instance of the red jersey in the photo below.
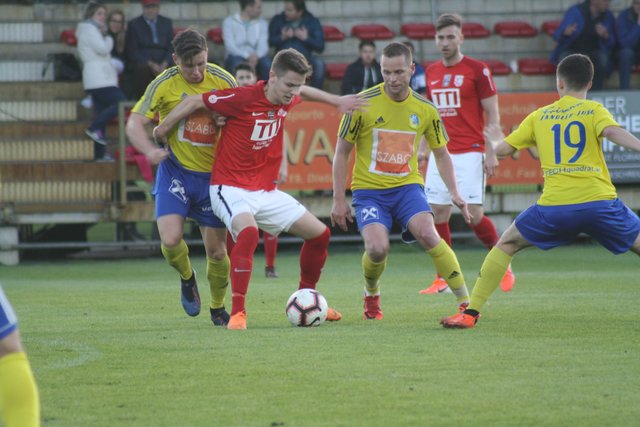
(249, 150)
(456, 91)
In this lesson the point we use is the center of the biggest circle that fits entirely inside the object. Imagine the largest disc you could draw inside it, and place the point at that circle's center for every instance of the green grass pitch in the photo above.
(110, 346)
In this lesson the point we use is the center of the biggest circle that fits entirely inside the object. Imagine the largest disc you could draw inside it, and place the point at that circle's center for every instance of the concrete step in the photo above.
(54, 149)
(21, 32)
(33, 51)
(25, 71)
(42, 90)
(38, 111)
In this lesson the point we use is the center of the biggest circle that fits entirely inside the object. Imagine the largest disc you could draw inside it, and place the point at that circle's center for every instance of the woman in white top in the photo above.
(99, 77)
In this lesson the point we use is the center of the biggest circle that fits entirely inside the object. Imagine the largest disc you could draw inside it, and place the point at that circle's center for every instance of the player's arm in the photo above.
(137, 134)
(282, 175)
(622, 137)
(492, 117)
(340, 210)
(495, 138)
(448, 174)
(345, 104)
(187, 106)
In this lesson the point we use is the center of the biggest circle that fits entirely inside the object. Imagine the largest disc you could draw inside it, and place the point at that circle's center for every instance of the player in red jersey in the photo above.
(243, 182)
(463, 90)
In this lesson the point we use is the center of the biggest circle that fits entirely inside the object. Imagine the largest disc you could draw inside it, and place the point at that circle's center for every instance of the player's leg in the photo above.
(374, 262)
(19, 402)
(270, 251)
(218, 266)
(444, 259)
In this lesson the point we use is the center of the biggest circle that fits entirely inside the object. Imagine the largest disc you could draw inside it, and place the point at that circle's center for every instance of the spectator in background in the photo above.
(246, 39)
(419, 79)
(587, 28)
(364, 72)
(148, 47)
(628, 31)
(19, 401)
(298, 29)
(99, 78)
(116, 29)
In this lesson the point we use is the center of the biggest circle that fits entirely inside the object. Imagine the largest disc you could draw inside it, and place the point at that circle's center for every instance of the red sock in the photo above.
(270, 248)
(486, 232)
(312, 257)
(230, 243)
(241, 266)
(445, 232)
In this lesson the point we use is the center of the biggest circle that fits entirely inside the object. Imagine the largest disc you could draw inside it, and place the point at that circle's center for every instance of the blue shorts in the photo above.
(186, 193)
(384, 206)
(8, 320)
(610, 222)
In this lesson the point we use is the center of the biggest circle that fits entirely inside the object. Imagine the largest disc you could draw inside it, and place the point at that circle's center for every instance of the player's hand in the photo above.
(340, 214)
(157, 155)
(159, 137)
(351, 103)
(219, 120)
(282, 177)
(490, 165)
(462, 205)
(570, 29)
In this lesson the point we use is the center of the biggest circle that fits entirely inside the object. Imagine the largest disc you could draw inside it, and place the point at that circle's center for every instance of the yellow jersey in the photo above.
(386, 138)
(568, 137)
(193, 140)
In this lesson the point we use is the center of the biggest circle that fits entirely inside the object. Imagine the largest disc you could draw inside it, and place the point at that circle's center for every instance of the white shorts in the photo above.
(274, 211)
(470, 177)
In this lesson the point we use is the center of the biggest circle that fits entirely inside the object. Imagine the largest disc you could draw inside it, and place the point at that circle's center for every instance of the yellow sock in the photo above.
(178, 258)
(218, 277)
(491, 273)
(19, 403)
(372, 272)
(448, 267)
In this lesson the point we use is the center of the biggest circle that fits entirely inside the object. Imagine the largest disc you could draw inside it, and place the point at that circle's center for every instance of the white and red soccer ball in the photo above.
(306, 307)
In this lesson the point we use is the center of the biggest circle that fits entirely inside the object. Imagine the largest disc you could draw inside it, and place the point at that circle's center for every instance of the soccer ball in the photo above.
(306, 307)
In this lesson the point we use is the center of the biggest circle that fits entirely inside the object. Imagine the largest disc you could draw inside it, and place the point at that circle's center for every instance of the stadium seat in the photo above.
(550, 27)
(475, 30)
(418, 30)
(515, 29)
(335, 71)
(215, 35)
(68, 37)
(536, 66)
(372, 32)
(497, 67)
(332, 33)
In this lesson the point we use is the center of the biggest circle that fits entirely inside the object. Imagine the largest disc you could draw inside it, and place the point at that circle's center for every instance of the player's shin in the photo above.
(241, 266)
(218, 277)
(448, 267)
(491, 272)
(312, 258)
(178, 258)
(19, 403)
(372, 272)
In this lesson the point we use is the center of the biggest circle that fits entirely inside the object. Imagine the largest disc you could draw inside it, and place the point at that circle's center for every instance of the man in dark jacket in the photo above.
(587, 28)
(148, 47)
(628, 31)
(298, 29)
(364, 72)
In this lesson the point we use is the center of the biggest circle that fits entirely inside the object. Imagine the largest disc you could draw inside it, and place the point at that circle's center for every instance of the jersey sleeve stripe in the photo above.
(223, 74)
(147, 98)
(346, 124)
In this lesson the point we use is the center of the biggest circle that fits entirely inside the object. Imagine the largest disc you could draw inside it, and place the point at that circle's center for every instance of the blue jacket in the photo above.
(576, 15)
(627, 28)
(314, 43)
(139, 46)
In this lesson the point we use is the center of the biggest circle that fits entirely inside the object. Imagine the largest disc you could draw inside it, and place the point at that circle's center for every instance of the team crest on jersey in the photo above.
(282, 112)
(458, 80)
(369, 213)
(271, 115)
(177, 189)
(414, 121)
(446, 80)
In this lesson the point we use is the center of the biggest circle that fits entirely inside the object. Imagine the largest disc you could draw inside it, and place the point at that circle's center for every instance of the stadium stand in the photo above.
(536, 66)
(335, 71)
(215, 35)
(332, 33)
(68, 37)
(497, 67)
(515, 29)
(372, 32)
(549, 27)
(475, 30)
(418, 30)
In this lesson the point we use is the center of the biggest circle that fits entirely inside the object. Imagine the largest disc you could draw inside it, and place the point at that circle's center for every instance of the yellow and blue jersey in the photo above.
(568, 137)
(193, 140)
(386, 138)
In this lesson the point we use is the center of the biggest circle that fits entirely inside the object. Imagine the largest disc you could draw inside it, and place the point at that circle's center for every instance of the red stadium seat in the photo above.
(372, 32)
(177, 30)
(335, 71)
(536, 66)
(515, 29)
(475, 30)
(418, 30)
(215, 35)
(497, 67)
(68, 37)
(332, 33)
(550, 27)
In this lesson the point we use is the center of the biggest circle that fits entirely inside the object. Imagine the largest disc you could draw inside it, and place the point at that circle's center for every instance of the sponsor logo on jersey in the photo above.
(177, 189)
(446, 80)
(458, 80)
(446, 98)
(369, 213)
